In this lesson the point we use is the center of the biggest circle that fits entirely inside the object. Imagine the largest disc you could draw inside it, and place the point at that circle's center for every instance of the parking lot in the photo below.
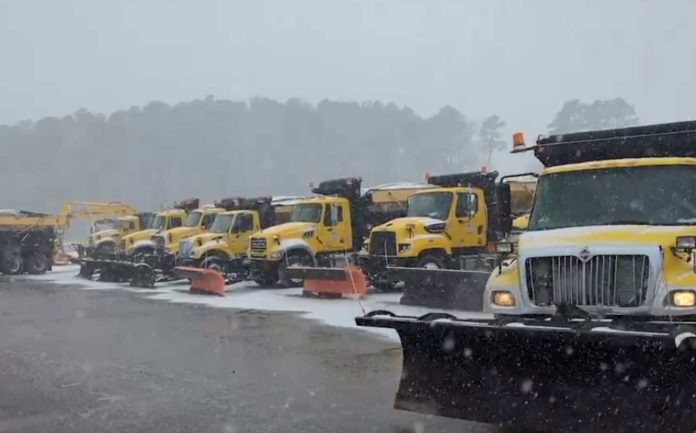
(86, 356)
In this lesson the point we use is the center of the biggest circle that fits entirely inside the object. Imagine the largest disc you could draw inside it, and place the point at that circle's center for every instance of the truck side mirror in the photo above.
(504, 209)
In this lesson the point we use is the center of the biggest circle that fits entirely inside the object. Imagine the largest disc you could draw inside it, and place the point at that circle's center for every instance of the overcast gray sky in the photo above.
(519, 59)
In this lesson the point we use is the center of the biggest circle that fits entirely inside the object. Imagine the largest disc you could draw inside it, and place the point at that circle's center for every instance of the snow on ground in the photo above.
(334, 312)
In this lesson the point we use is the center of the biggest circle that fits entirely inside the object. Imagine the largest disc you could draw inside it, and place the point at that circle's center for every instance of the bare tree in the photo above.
(489, 136)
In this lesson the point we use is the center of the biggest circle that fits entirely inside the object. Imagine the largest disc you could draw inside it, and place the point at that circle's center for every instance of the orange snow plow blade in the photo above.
(203, 281)
(331, 282)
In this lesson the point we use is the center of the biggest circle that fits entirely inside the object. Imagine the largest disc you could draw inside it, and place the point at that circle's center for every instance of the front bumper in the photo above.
(187, 261)
(375, 266)
(259, 267)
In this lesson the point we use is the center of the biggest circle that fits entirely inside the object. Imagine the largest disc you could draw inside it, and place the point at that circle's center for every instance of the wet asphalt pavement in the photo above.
(110, 361)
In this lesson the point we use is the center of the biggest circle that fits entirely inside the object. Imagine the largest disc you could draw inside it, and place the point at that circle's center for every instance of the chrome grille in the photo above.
(185, 247)
(160, 242)
(383, 243)
(258, 245)
(602, 280)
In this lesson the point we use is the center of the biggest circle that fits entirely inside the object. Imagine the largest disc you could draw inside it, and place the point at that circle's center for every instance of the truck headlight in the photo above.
(686, 243)
(404, 247)
(277, 254)
(683, 298)
(504, 247)
(503, 298)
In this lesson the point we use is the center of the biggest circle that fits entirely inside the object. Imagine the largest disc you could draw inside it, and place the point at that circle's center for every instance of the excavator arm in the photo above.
(90, 210)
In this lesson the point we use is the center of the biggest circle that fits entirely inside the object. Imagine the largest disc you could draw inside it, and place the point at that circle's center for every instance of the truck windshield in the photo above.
(654, 195)
(432, 204)
(123, 224)
(159, 223)
(193, 219)
(103, 224)
(222, 224)
(306, 213)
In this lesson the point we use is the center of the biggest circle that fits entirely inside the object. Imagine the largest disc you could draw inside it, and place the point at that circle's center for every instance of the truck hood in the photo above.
(103, 234)
(292, 229)
(202, 238)
(142, 234)
(664, 236)
(401, 223)
(179, 232)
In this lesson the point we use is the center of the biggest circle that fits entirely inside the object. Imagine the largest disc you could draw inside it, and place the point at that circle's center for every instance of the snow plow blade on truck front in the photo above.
(118, 270)
(548, 375)
(441, 288)
(330, 282)
(203, 281)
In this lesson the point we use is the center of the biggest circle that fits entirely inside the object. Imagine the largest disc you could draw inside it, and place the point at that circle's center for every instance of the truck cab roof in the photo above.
(321, 199)
(172, 212)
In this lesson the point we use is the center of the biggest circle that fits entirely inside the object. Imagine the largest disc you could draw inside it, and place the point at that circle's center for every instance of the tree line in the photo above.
(212, 148)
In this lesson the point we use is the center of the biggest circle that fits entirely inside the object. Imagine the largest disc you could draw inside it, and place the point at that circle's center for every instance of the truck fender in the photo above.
(105, 241)
(290, 245)
(421, 243)
(144, 243)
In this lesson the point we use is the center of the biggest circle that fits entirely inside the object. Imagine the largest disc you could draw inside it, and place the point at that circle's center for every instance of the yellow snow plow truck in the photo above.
(107, 239)
(594, 310)
(323, 229)
(452, 225)
(134, 247)
(229, 235)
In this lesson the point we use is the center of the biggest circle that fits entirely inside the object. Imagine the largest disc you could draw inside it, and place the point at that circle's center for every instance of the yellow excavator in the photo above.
(60, 221)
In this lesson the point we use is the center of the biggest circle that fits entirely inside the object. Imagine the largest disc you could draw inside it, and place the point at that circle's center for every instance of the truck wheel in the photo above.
(430, 261)
(293, 259)
(266, 280)
(36, 264)
(215, 263)
(12, 264)
(384, 286)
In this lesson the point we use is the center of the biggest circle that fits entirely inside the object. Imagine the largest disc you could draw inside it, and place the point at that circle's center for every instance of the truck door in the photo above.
(174, 222)
(243, 226)
(469, 223)
(337, 228)
(207, 221)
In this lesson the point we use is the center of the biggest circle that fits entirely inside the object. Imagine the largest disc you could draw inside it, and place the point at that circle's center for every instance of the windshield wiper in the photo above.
(625, 222)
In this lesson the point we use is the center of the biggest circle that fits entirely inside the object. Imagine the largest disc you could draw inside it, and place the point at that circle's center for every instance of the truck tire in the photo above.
(36, 263)
(384, 286)
(430, 261)
(215, 263)
(12, 264)
(297, 258)
(266, 280)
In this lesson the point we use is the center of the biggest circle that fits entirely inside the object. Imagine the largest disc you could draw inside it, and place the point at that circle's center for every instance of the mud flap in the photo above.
(330, 282)
(441, 288)
(203, 281)
(547, 376)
